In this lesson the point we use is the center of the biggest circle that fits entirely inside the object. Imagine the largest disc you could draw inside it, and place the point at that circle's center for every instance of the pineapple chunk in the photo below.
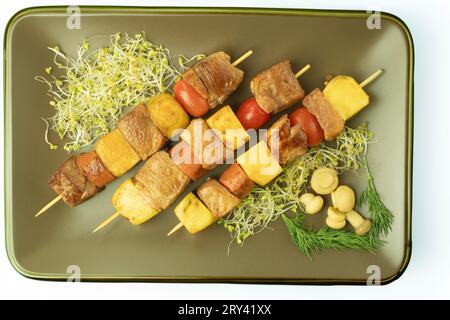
(167, 114)
(116, 153)
(346, 96)
(132, 204)
(259, 164)
(193, 214)
(232, 133)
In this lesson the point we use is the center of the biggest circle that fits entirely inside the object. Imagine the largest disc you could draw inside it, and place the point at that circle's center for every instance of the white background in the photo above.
(428, 274)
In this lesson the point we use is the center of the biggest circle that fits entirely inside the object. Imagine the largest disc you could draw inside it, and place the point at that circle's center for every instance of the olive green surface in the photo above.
(333, 42)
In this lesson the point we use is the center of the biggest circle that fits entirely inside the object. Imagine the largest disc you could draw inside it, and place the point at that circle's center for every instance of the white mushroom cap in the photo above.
(343, 198)
(335, 224)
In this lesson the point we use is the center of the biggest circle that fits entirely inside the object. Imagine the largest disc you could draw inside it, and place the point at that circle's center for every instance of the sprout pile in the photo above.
(91, 91)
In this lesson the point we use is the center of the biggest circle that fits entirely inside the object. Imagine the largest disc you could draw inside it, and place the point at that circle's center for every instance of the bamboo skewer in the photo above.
(48, 205)
(302, 71)
(297, 75)
(372, 77)
(106, 222)
(51, 203)
(175, 229)
(242, 58)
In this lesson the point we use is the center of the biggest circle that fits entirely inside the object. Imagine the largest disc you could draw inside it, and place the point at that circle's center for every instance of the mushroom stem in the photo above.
(361, 225)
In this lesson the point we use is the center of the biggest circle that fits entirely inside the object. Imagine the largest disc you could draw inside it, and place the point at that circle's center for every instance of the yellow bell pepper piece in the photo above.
(230, 130)
(193, 214)
(259, 164)
(346, 96)
(167, 114)
(132, 204)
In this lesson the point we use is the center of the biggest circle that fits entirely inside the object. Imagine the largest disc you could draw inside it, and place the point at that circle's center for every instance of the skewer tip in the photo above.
(106, 222)
(176, 228)
(302, 70)
(48, 206)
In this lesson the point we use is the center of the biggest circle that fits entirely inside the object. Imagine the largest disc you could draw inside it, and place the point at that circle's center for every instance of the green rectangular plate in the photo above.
(333, 42)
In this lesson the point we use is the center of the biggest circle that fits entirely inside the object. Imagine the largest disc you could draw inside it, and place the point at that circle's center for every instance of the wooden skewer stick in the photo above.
(51, 203)
(106, 222)
(372, 77)
(242, 58)
(297, 75)
(175, 229)
(302, 71)
(48, 205)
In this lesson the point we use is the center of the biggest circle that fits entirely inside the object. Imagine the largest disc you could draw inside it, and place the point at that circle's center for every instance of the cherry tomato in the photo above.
(251, 115)
(190, 99)
(309, 125)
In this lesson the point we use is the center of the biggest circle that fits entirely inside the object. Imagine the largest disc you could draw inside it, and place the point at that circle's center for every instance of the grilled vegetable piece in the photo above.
(162, 180)
(190, 99)
(230, 130)
(277, 88)
(131, 203)
(327, 116)
(184, 158)
(285, 141)
(259, 164)
(167, 114)
(116, 153)
(251, 115)
(217, 198)
(346, 96)
(205, 143)
(309, 125)
(236, 181)
(141, 133)
(217, 76)
(94, 169)
(70, 182)
(193, 214)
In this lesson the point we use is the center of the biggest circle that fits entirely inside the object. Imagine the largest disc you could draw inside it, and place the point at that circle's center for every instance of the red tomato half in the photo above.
(251, 115)
(309, 125)
(190, 99)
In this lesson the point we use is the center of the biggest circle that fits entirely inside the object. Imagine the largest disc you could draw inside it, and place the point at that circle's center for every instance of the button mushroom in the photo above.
(361, 225)
(343, 198)
(335, 218)
(312, 203)
(324, 180)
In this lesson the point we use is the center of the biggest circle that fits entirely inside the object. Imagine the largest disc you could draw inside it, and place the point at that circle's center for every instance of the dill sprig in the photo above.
(382, 217)
(311, 242)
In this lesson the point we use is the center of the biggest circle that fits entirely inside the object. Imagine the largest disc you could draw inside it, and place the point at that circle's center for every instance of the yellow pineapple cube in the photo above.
(230, 130)
(116, 153)
(259, 164)
(131, 203)
(346, 96)
(193, 214)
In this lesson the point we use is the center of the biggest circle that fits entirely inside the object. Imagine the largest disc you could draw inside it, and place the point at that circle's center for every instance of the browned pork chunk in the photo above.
(70, 182)
(141, 133)
(329, 119)
(276, 88)
(191, 77)
(289, 142)
(215, 78)
(217, 198)
(162, 179)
